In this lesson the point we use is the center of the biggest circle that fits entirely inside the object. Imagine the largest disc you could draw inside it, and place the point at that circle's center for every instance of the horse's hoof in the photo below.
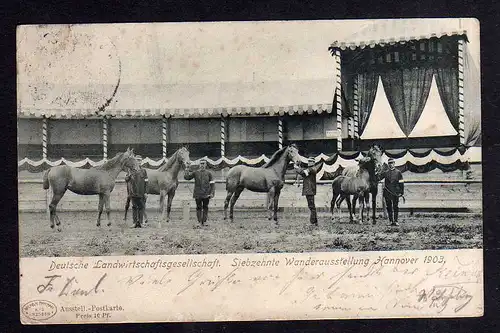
(145, 221)
(59, 229)
(51, 227)
(98, 224)
(109, 224)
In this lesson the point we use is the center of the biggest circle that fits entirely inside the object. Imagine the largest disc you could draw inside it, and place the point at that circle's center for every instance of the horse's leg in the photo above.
(163, 195)
(101, 204)
(270, 202)
(350, 206)
(374, 204)
(108, 208)
(362, 207)
(226, 203)
(338, 203)
(170, 198)
(277, 193)
(354, 201)
(235, 197)
(56, 197)
(145, 214)
(127, 205)
(332, 203)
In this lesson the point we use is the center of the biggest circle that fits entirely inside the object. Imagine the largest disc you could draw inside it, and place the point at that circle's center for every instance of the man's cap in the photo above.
(311, 159)
(391, 160)
(138, 157)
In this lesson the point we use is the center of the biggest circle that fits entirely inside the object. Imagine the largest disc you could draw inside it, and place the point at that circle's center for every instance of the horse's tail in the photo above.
(46, 184)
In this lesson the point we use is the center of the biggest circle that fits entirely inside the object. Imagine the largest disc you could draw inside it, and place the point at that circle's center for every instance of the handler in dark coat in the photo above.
(309, 187)
(137, 183)
(204, 189)
(393, 189)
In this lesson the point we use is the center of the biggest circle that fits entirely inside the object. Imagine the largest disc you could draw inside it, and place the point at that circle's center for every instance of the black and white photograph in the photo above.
(249, 137)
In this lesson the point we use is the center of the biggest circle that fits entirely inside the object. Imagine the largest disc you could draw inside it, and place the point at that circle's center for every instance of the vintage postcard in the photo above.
(240, 171)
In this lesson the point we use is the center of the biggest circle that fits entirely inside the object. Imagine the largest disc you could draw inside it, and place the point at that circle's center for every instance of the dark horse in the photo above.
(269, 178)
(359, 181)
(164, 181)
(98, 180)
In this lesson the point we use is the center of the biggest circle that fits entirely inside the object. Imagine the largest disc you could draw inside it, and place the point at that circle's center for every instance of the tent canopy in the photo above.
(390, 32)
(177, 100)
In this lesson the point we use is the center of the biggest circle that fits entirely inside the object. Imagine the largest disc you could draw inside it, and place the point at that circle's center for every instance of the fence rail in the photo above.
(319, 182)
(421, 195)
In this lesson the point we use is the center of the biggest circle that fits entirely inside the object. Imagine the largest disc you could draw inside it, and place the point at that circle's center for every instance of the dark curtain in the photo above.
(367, 89)
(407, 90)
(447, 84)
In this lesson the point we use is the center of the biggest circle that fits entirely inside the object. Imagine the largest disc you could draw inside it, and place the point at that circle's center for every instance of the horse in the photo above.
(99, 180)
(163, 181)
(269, 178)
(374, 152)
(357, 185)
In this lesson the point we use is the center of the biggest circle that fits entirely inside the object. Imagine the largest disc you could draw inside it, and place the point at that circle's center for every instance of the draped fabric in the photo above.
(447, 84)
(472, 101)
(407, 90)
(367, 89)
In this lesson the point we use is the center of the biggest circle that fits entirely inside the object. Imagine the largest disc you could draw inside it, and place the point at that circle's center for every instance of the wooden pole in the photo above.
(105, 138)
(44, 138)
(338, 95)
(164, 137)
(280, 133)
(355, 107)
(222, 136)
(461, 122)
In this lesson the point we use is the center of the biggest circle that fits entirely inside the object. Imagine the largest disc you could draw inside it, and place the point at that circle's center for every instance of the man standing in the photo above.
(137, 182)
(393, 189)
(309, 187)
(204, 189)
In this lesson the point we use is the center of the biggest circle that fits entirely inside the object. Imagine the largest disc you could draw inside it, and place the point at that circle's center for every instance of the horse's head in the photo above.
(368, 164)
(183, 155)
(128, 161)
(293, 153)
(375, 152)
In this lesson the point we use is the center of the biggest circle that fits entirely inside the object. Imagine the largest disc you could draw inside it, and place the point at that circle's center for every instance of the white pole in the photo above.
(338, 94)
(44, 138)
(280, 133)
(164, 137)
(105, 137)
(222, 136)
(461, 122)
(356, 107)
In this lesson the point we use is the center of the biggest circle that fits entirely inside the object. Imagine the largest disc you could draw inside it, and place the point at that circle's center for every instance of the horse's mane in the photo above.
(276, 156)
(109, 164)
(169, 162)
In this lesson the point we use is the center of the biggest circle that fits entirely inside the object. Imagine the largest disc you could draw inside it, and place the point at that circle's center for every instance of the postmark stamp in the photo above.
(39, 310)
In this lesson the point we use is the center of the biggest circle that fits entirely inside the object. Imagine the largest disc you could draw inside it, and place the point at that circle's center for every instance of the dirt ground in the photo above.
(251, 232)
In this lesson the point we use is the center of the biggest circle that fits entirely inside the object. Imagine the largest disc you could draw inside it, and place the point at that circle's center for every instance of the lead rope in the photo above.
(396, 195)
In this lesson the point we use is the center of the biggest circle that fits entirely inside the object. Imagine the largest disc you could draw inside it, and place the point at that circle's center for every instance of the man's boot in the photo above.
(135, 216)
(199, 215)
(204, 216)
(314, 217)
(396, 211)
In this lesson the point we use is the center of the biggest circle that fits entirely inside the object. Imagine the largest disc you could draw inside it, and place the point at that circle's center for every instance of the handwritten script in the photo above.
(315, 288)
